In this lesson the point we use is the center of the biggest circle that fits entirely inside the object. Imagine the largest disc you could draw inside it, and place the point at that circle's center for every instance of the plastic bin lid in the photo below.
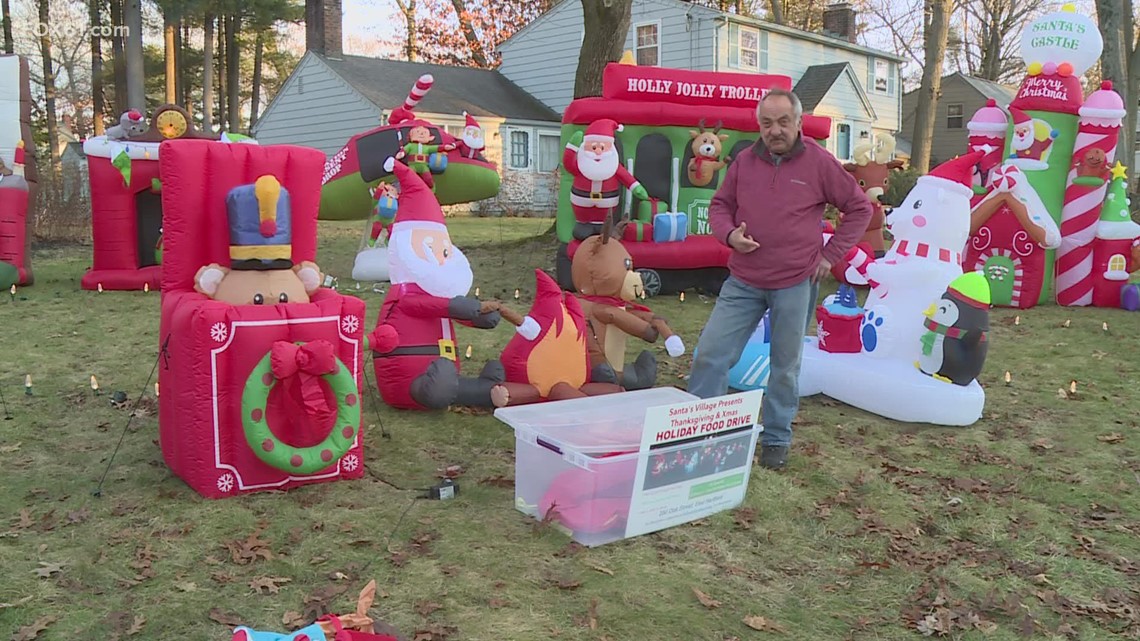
(611, 422)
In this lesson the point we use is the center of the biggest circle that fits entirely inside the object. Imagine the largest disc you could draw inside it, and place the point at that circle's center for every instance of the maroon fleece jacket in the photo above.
(781, 201)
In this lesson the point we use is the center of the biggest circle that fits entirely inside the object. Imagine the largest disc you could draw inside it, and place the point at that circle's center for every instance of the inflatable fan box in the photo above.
(588, 448)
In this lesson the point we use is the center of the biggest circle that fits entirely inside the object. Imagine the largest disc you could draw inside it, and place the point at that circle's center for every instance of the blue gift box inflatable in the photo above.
(670, 227)
(752, 370)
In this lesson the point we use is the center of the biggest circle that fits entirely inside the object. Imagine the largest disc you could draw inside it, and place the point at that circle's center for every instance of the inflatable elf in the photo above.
(419, 154)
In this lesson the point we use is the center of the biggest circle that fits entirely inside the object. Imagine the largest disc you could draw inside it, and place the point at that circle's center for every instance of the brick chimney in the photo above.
(839, 21)
(323, 22)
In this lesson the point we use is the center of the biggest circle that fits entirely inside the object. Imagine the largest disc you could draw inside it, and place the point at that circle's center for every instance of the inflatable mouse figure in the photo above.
(261, 269)
(131, 125)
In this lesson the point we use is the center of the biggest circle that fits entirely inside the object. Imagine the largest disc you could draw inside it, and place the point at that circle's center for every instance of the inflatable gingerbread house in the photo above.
(674, 134)
(126, 197)
(1038, 228)
(261, 364)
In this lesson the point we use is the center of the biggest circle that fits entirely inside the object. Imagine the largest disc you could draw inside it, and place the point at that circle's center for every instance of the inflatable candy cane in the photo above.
(1101, 117)
(417, 93)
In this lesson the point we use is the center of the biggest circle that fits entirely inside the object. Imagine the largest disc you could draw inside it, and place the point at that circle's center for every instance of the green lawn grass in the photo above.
(1027, 523)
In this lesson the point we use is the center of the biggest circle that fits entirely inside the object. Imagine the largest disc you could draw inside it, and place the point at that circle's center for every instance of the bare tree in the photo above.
(136, 80)
(408, 9)
(990, 36)
(49, 86)
(1120, 63)
(607, 24)
(208, 73)
(95, 11)
(8, 42)
(935, 35)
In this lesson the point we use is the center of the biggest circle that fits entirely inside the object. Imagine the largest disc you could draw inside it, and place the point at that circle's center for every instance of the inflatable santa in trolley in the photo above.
(592, 158)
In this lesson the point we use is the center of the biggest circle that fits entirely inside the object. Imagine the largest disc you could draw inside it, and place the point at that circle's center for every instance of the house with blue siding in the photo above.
(330, 97)
(858, 87)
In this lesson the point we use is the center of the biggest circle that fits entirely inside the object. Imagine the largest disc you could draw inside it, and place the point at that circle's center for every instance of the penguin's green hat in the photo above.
(971, 288)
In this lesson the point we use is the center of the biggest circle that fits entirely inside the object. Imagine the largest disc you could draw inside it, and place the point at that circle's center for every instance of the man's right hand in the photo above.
(741, 241)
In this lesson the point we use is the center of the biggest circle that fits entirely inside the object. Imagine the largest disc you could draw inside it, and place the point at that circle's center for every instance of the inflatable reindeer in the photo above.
(707, 148)
(872, 168)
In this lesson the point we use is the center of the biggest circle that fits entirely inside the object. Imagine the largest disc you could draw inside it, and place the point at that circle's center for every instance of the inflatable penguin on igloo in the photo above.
(930, 229)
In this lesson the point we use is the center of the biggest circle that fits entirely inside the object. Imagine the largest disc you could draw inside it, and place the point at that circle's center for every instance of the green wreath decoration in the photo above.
(300, 460)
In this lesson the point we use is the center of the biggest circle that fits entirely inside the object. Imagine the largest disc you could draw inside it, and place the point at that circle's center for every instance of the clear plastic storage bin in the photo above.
(579, 458)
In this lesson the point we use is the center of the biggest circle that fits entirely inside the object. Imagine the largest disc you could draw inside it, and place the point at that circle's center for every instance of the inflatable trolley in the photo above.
(653, 149)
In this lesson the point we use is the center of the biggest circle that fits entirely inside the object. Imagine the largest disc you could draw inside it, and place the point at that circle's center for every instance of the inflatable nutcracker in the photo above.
(262, 366)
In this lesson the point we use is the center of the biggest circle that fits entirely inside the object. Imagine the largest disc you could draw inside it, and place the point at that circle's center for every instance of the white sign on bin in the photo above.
(691, 465)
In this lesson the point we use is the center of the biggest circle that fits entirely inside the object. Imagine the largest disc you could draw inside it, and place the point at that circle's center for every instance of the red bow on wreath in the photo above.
(309, 362)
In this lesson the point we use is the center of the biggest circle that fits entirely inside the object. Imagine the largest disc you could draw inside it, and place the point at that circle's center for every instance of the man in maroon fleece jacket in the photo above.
(769, 210)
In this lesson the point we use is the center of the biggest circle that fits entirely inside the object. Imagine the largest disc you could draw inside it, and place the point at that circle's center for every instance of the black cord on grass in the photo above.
(99, 490)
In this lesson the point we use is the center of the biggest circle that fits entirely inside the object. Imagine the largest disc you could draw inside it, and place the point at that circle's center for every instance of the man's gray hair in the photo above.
(797, 106)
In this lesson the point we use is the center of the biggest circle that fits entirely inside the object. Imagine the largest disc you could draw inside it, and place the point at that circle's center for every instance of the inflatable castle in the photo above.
(1042, 187)
(674, 132)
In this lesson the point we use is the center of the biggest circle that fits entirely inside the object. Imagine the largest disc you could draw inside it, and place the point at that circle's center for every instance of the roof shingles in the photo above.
(480, 92)
(816, 82)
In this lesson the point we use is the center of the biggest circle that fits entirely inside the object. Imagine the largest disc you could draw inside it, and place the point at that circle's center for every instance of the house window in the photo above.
(648, 44)
(881, 76)
(520, 149)
(549, 152)
(843, 141)
(1117, 268)
(954, 115)
(747, 47)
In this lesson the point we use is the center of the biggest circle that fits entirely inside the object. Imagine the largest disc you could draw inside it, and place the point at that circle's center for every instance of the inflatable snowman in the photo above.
(930, 231)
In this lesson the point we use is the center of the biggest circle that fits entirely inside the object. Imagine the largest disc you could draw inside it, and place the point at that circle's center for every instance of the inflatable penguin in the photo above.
(954, 344)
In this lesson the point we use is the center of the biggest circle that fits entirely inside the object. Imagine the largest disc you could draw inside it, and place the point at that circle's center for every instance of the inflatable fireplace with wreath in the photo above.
(261, 365)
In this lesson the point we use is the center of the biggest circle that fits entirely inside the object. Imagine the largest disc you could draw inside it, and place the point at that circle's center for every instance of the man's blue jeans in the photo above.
(734, 318)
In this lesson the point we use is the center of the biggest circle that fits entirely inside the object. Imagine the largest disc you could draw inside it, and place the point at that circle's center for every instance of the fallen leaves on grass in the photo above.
(46, 570)
(495, 603)
(293, 620)
(603, 569)
(32, 631)
(8, 449)
(250, 549)
(425, 608)
(706, 600)
(222, 577)
(16, 604)
(186, 586)
(270, 584)
(450, 472)
(1114, 437)
(317, 604)
(744, 517)
(78, 516)
(498, 481)
(762, 624)
(434, 633)
(26, 521)
(1042, 445)
(590, 620)
(228, 619)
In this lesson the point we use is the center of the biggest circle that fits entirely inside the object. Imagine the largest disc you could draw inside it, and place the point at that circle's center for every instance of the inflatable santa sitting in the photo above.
(471, 144)
(592, 159)
(416, 361)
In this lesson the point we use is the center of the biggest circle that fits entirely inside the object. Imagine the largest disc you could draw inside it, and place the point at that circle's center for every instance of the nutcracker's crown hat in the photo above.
(261, 230)
(418, 205)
